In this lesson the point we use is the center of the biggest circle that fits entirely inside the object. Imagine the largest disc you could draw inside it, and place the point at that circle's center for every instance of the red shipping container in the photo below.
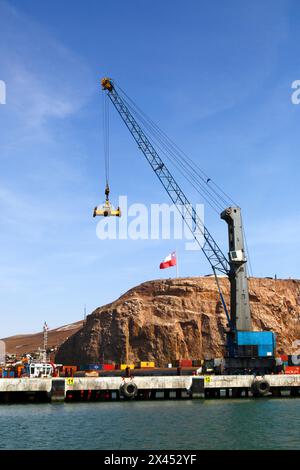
(284, 357)
(185, 363)
(108, 367)
(292, 370)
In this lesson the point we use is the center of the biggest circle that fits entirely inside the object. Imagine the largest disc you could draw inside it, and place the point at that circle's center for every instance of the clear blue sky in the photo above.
(217, 78)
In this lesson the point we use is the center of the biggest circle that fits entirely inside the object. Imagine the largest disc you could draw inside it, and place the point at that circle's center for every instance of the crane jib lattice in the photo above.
(210, 248)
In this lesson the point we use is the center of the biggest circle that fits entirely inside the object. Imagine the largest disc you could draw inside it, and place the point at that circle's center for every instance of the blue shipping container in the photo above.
(265, 350)
(95, 367)
(245, 338)
(265, 340)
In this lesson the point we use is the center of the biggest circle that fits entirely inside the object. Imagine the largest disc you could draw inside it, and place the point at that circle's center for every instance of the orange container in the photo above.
(69, 370)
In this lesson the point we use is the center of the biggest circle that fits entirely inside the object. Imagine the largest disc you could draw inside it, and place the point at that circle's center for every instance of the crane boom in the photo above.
(210, 248)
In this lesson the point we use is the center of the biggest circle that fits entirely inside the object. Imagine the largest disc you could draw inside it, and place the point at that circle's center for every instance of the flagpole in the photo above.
(177, 269)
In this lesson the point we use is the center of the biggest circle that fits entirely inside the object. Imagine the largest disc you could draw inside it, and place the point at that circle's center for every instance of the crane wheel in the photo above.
(129, 390)
(260, 388)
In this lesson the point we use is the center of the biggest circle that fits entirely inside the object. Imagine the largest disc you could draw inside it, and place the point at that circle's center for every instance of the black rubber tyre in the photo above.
(260, 388)
(129, 390)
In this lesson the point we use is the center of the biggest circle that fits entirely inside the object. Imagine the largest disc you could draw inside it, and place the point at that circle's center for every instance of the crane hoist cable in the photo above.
(185, 168)
(106, 209)
(187, 172)
(215, 191)
(105, 124)
(206, 187)
(210, 248)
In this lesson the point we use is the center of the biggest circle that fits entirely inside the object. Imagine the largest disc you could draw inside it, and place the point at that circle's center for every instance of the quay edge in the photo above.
(167, 387)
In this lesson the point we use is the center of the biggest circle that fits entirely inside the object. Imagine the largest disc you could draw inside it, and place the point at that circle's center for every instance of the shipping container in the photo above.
(124, 366)
(251, 338)
(197, 362)
(265, 350)
(95, 367)
(20, 370)
(69, 371)
(108, 367)
(75, 368)
(284, 357)
(184, 363)
(264, 340)
(147, 364)
(292, 370)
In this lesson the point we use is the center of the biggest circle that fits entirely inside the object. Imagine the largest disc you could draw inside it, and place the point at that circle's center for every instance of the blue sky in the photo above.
(215, 76)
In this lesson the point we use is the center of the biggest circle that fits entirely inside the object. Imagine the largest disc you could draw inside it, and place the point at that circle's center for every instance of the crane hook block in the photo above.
(107, 192)
(107, 209)
(107, 84)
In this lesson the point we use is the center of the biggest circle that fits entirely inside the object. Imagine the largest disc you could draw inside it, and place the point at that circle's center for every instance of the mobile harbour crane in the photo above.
(245, 347)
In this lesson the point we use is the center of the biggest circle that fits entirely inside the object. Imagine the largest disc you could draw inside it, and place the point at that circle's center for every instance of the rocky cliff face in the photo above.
(169, 319)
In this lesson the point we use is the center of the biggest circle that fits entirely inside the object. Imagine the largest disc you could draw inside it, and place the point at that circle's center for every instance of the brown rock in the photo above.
(165, 320)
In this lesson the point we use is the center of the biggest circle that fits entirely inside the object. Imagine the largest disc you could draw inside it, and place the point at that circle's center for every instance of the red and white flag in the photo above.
(169, 261)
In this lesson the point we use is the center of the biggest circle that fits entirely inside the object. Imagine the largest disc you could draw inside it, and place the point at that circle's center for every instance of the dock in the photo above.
(71, 389)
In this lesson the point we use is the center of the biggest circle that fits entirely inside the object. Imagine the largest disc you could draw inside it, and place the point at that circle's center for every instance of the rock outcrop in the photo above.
(165, 320)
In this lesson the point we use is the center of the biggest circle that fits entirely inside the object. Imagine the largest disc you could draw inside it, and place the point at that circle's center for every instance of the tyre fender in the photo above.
(129, 389)
(260, 387)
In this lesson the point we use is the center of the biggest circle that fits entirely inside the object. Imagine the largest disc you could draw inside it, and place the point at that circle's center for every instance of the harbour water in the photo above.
(210, 424)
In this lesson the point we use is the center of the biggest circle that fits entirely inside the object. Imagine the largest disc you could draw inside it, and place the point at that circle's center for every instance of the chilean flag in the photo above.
(169, 261)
